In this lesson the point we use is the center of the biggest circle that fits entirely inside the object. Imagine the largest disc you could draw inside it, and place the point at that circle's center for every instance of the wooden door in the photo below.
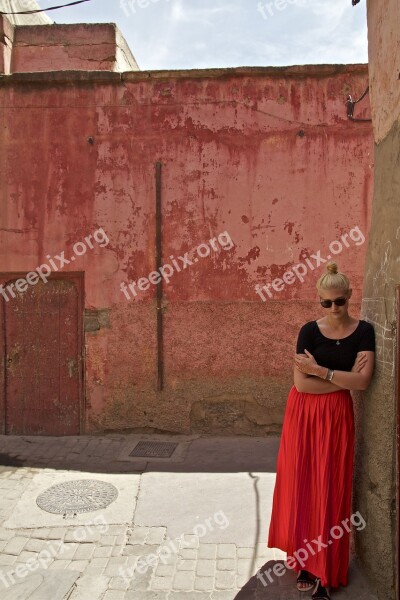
(42, 347)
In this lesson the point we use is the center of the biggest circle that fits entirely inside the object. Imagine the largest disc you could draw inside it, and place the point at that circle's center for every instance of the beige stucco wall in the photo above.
(384, 64)
(376, 410)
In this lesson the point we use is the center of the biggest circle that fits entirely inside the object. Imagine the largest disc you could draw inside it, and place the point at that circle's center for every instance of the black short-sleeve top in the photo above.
(331, 355)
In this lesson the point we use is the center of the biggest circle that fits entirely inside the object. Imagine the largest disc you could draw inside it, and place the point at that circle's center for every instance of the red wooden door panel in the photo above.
(43, 357)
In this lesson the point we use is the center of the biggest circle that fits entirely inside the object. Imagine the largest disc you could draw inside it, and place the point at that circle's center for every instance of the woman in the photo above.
(312, 495)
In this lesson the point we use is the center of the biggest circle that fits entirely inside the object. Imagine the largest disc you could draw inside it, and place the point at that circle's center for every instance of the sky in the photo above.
(190, 34)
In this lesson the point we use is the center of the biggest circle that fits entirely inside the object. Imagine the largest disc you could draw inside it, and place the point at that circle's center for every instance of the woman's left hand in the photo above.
(306, 363)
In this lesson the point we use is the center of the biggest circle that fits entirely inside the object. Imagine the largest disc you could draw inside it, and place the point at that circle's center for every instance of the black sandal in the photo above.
(320, 592)
(305, 577)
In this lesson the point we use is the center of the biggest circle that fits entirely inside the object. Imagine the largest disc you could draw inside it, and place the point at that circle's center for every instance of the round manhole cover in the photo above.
(85, 495)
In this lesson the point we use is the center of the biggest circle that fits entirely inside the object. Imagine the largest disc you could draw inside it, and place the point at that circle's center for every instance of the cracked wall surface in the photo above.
(376, 454)
(257, 155)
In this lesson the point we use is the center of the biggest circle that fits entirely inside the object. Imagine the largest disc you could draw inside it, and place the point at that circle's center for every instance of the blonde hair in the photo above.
(333, 279)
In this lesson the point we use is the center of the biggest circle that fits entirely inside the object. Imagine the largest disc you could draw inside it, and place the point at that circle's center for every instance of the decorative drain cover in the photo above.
(154, 449)
(72, 497)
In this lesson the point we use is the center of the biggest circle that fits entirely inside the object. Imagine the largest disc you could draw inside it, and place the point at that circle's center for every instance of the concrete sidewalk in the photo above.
(190, 526)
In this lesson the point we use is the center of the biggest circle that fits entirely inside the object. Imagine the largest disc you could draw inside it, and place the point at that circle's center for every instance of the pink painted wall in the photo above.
(77, 47)
(266, 154)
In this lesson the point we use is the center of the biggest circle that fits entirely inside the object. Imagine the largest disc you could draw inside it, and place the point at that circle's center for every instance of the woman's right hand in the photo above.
(360, 362)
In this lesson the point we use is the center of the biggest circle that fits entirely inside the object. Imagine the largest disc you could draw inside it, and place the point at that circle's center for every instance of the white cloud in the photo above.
(185, 14)
(174, 34)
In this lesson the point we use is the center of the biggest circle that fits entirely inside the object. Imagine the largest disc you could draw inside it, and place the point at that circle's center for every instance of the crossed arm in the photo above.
(310, 377)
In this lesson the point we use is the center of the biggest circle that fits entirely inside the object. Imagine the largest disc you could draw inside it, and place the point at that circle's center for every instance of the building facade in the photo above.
(177, 222)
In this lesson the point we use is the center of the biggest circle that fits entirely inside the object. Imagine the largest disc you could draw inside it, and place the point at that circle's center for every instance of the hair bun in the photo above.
(332, 267)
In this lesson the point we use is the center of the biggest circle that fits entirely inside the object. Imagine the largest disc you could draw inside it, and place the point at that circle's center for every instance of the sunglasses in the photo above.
(328, 303)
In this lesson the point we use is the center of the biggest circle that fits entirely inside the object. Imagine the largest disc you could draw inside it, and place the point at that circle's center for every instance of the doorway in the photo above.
(42, 349)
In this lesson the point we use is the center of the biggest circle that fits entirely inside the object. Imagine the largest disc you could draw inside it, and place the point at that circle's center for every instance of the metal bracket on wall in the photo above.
(350, 103)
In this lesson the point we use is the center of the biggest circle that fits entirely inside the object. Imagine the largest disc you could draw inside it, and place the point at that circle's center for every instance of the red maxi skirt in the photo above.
(312, 497)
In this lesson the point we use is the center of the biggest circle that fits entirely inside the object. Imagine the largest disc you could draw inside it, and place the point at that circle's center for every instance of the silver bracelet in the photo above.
(329, 375)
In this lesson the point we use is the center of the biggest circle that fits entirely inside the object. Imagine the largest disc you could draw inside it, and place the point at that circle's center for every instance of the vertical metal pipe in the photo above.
(160, 357)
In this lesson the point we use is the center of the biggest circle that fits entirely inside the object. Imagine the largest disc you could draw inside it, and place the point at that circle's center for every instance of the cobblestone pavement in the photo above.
(126, 561)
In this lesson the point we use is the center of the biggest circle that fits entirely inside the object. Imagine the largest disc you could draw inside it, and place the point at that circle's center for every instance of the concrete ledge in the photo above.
(296, 72)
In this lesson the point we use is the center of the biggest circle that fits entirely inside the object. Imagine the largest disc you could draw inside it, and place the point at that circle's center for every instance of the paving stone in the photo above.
(141, 581)
(188, 553)
(189, 541)
(162, 583)
(116, 529)
(84, 552)
(23, 533)
(131, 561)
(67, 551)
(149, 595)
(207, 551)
(119, 540)
(60, 564)
(94, 571)
(243, 567)
(25, 556)
(93, 535)
(79, 565)
(156, 535)
(6, 535)
(72, 536)
(241, 581)
(245, 552)
(185, 565)
(226, 564)
(141, 550)
(225, 580)
(205, 567)
(40, 533)
(226, 551)
(33, 545)
(189, 596)
(184, 580)
(99, 562)
(113, 569)
(15, 545)
(116, 550)
(225, 595)
(168, 559)
(108, 540)
(118, 583)
(203, 583)
(114, 595)
(164, 570)
(102, 552)
(43, 585)
(279, 554)
(7, 559)
(115, 560)
(139, 535)
(56, 533)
